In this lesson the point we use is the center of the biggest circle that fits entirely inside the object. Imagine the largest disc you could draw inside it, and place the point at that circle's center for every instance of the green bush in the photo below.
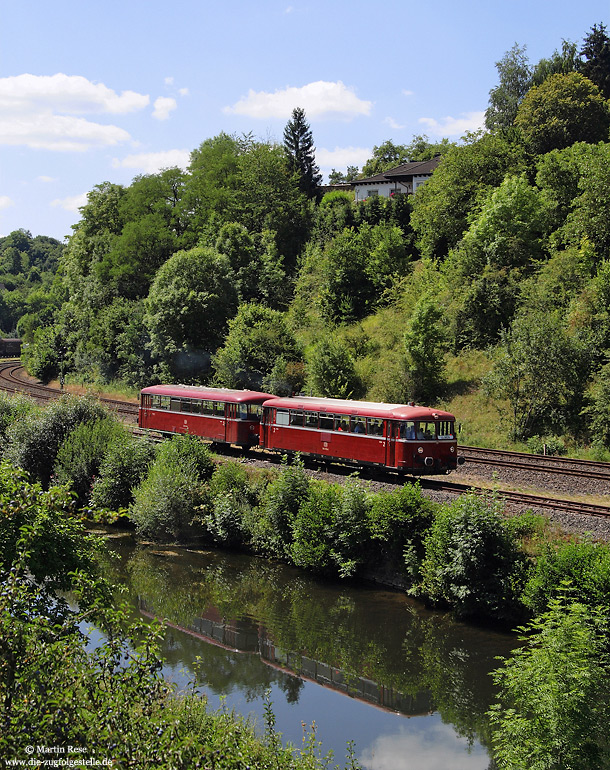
(33, 443)
(553, 708)
(232, 498)
(313, 526)
(280, 504)
(166, 502)
(472, 561)
(400, 517)
(81, 454)
(546, 445)
(124, 466)
(585, 565)
(13, 409)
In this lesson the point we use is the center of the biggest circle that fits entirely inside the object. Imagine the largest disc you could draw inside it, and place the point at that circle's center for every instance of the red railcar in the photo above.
(408, 438)
(218, 414)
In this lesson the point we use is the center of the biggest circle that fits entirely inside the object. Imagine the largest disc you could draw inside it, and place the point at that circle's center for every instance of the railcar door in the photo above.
(391, 429)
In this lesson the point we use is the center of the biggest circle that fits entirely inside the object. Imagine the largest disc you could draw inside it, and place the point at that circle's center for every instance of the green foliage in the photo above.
(331, 371)
(358, 265)
(190, 301)
(472, 562)
(585, 565)
(298, 143)
(596, 62)
(232, 508)
(81, 453)
(41, 531)
(400, 517)
(165, 502)
(33, 443)
(385, 156)
(541, 372)
(13, 409)
(597, 410)
(546, 445)
(443, 206)
(425, 341)
(283, 499)
(515, 81)
(257, 337)
(553, 706)
(123, 467)
(564, 109)
(311, 541)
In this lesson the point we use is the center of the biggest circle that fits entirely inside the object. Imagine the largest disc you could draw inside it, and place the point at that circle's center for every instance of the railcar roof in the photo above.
(209, 394)
(363, 408)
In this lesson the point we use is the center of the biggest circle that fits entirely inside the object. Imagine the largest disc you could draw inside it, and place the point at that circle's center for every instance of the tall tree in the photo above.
(515, 81)
(298, 143)
(596, 63)
(563, 110)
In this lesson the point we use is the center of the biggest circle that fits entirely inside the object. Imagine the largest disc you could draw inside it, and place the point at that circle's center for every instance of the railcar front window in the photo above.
(243, 411)
(256, 412)
(425, 431)
(446, 430)
(406, 429)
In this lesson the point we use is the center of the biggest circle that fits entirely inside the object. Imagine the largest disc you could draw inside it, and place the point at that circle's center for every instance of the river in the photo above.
(409, 686)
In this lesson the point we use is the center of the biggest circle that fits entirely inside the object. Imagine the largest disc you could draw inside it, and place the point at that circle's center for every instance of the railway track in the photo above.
(13, 379)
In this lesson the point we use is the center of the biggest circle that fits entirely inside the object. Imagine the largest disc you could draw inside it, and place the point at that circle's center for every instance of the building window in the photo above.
(372, 193)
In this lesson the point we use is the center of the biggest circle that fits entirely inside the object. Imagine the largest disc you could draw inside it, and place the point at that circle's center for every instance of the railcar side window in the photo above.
(406, 429)
(174, 404)
(342, 423)
(326, 421)
(296, 418)
(160, 402)
(195, 406)
(446, 430)
(358, 425)
(243, 411)
(311, 419)
(281, 417)
(219, 408)
(375, 426)
(146, 401)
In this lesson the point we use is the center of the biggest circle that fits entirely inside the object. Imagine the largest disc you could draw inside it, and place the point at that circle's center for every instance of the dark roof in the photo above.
(413, 168)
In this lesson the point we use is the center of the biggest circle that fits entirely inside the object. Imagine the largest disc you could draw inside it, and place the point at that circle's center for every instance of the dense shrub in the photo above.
(279, 508)
(232, 498)
(313, 526)
(13, 409)
(165, 502)
(400, 517)
(472, 560)
(81, 453)
(585, 565)
(33, 443)
(121, 471)
(553, 708)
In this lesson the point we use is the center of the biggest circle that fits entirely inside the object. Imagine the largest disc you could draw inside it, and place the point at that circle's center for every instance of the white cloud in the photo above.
(72, 203)
(470, 121)
(5, 202)
(152, 162)
(393, 124)
(57, 132)
(70, 94)
(407, 93)
(319, 99)
(163, 106)
(169, 81)
(42, 112)
(436, 748)
(183, 91)
(342, 157)
(46, 179)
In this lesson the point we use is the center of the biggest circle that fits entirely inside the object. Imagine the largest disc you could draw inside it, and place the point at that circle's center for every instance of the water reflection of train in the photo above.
(247, 637)
(10, 347)
(403, 437)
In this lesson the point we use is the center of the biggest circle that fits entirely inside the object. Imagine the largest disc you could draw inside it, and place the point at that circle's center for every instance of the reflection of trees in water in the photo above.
(374, 634)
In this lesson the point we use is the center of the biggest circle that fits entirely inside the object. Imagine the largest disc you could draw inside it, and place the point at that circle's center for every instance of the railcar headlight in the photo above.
(420, 449)
(452, 449)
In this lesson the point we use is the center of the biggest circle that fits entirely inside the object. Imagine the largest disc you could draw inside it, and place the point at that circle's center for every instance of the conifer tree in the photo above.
(596, 62)
(298, 143)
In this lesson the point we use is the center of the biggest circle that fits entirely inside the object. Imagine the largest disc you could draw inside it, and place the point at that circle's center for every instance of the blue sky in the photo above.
(95, 91)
